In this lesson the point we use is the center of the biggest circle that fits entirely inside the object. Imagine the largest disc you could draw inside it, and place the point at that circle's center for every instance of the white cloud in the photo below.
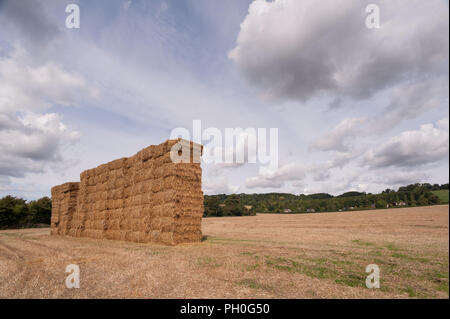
(29, 141)
(30, 137)
(37, 137)
(262, 182)
(401, 178)
(218, 185)
(412, 148)
(36, 88)
(335, 139)
(276, 178)
(341, 159)
(301, 49)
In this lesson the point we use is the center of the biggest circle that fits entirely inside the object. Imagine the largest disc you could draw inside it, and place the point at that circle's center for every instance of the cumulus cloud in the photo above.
(26, 88)
(275, 178)
(298, 173)
(427, 145)
(28, 142)
(334, 140)
(301, 49)
(31, 138)
(335, 186)
(36, 137)
(218, 185)
(341, 159)
(397, 178)
(13, 166)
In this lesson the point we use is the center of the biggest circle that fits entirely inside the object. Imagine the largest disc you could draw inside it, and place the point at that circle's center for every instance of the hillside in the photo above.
(442, 194)
(249, 204)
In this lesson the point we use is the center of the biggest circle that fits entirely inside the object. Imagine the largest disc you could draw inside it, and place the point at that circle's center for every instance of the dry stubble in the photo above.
(265, 256)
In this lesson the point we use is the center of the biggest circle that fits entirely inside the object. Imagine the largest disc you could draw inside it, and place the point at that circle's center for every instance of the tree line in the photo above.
(250, 204)
(18, 213)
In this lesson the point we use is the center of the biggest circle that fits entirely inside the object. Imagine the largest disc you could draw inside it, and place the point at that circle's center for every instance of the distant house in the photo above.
(287, 210)
(222, 205)
(310, 210)
(400, 203)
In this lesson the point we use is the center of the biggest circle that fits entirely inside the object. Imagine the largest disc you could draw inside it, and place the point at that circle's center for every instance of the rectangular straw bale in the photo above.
(108, 234)
(155, 236)
(167, 238)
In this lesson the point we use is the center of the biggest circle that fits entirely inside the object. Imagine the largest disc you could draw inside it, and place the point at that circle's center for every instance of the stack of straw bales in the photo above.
(64, 205)
(143, 198)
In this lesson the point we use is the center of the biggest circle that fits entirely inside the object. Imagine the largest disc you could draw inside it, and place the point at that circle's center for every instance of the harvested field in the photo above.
(265, 256)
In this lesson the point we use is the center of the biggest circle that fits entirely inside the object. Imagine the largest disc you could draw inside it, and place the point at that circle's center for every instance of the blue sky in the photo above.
(356, 108)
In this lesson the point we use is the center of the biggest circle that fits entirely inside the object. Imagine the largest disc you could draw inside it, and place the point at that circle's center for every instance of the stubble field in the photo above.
(265, 256)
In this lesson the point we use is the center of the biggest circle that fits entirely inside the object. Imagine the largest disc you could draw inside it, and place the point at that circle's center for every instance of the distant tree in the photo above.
(17, 213)
(232, 205)
(320, 196)
(40, 211)
(380, 203)
(13, 211)
(422, 201)
(352, 194)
